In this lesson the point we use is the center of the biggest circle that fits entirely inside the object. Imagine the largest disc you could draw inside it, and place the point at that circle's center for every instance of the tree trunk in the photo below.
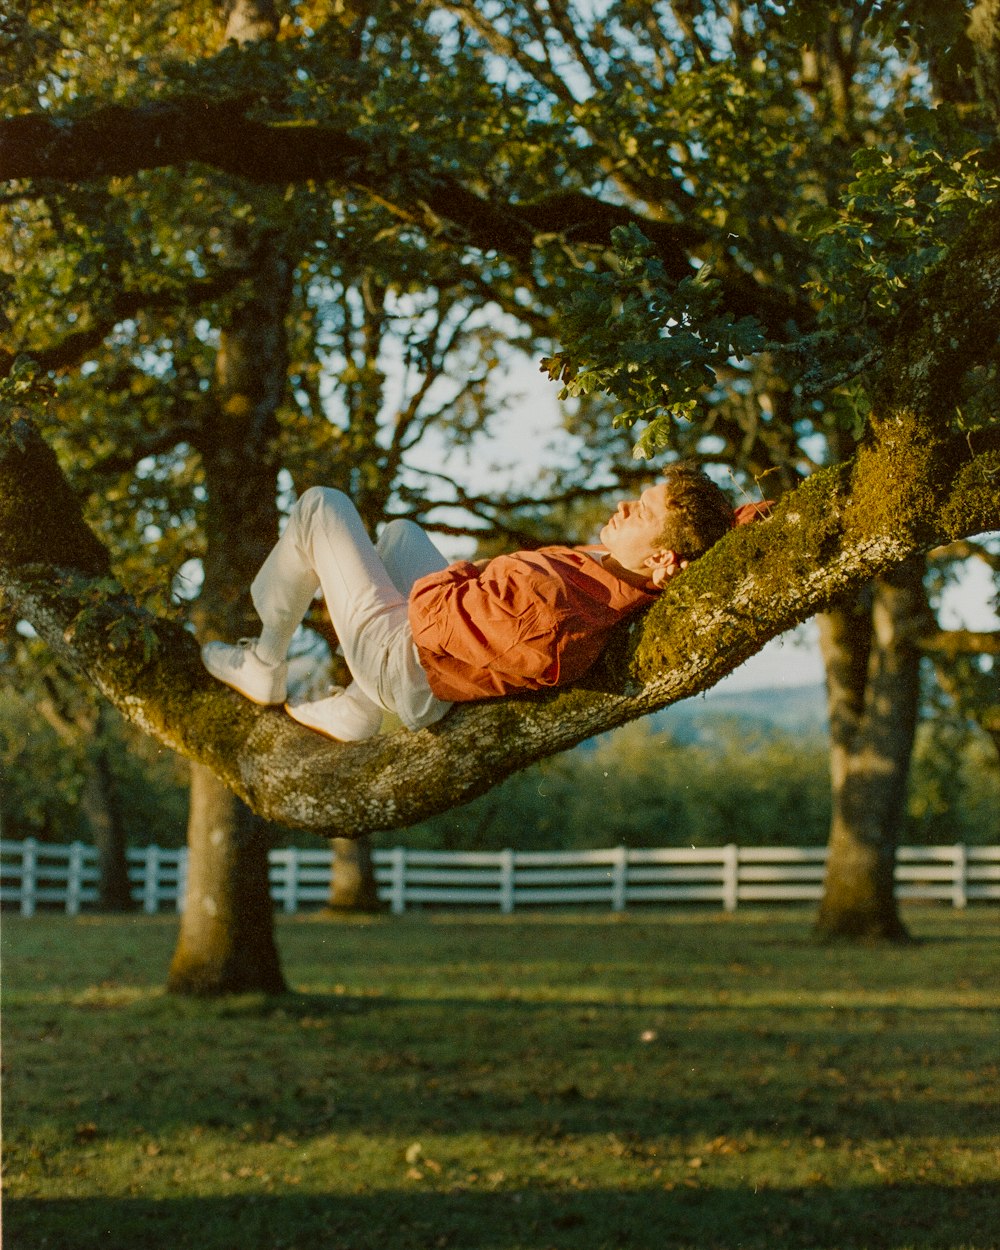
(352, 884)
(82, 726)
(100, 806)
(873, 690)
(227, 942)
(227, 935)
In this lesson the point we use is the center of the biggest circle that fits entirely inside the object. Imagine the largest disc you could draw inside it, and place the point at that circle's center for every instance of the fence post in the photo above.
(151, 880)
(182, 872)
(507, 881)
(74, 878)
(291, 886)
(397, 881)
(959, 886)
(29, 876)
(731, 876)
(619, 878)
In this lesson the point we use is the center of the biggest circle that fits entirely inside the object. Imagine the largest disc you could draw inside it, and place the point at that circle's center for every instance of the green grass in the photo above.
(655, 1080)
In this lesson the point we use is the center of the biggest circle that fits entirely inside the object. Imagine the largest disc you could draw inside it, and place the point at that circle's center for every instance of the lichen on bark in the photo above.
(819, 545)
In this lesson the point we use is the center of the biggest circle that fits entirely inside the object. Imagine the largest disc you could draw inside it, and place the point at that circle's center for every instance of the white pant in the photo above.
(325, 547)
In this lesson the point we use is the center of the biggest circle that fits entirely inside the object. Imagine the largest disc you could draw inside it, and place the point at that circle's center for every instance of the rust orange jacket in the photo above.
(524, 622)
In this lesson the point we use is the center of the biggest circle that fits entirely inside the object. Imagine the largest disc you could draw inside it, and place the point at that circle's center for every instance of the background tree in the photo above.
(83, 728)
(777, 416)
(964, 660)
(74, 770)
(673, 127)
(232, 349)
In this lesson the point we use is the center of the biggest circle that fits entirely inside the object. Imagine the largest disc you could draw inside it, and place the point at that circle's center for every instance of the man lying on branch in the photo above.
(419, 634)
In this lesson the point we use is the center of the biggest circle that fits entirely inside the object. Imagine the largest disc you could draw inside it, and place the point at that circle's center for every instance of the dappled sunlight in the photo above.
(443, 1073)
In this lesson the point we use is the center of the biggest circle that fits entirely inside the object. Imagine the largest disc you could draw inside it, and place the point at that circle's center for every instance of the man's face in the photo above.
(632, 534)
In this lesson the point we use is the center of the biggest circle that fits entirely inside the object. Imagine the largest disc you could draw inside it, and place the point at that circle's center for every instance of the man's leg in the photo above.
(367, 591)
(323, 538)
(407, 554)
(325, 546)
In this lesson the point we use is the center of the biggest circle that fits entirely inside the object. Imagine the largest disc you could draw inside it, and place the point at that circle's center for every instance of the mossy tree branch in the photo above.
(754, 585)
(913, 485)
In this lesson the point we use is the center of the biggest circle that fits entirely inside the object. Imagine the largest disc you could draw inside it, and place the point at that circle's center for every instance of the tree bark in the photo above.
(873, 690)
(226, 943)
(100, 806)
(823, 543)
(352, 882)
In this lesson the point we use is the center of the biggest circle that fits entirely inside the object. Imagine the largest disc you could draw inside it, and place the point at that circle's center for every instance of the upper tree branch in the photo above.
(118, 141)
(75, 347)
(950, 643)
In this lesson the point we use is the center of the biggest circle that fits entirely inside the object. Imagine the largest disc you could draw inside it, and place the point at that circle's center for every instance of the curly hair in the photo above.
(699, 513)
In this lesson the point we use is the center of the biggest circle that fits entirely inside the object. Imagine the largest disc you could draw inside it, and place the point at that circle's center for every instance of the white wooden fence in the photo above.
(39, 875)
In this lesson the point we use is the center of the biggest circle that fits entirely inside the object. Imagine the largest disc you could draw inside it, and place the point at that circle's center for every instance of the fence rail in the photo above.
(42, 875)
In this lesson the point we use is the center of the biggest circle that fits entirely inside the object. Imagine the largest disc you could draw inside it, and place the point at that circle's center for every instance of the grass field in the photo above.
(651, 1080)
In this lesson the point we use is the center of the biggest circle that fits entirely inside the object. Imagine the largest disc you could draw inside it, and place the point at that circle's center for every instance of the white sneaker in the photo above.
(241, 668)
(344, 715)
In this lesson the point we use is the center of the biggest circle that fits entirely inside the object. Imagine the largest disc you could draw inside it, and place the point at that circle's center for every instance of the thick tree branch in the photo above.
(753, 586)
(118, 141)
(74, 347)
(949, 643)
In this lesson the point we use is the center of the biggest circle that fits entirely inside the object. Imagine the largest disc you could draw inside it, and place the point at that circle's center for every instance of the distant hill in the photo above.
(790, 709)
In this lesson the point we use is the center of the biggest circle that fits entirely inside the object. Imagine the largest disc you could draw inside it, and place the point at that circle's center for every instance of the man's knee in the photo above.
(323, 505)
(397, 532)
(317, 498)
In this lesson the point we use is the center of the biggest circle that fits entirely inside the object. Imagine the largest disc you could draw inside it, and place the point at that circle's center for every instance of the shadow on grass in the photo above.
(917, 1217)
(314, 1064)
(313, 1005)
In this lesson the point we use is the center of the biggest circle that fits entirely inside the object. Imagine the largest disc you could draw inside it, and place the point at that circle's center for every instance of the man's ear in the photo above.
(663, 565)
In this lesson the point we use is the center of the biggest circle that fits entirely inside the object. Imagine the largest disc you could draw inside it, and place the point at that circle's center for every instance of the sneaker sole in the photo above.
(243, 695)
(313, 728)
